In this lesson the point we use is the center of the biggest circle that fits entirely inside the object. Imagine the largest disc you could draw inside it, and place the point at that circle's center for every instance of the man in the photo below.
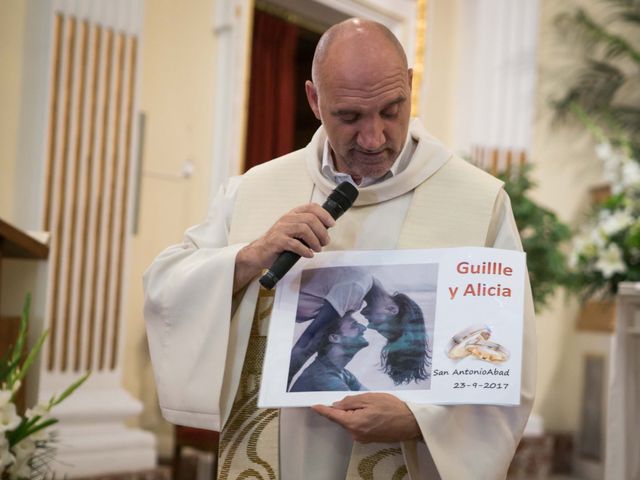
(201, 296)
(326, 295)
(337, 347)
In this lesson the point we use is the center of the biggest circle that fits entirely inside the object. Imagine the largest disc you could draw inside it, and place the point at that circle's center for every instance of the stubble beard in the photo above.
(358, 165)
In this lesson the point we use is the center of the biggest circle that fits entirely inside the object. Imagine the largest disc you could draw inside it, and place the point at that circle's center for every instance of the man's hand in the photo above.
(373, 417)
(303, 230)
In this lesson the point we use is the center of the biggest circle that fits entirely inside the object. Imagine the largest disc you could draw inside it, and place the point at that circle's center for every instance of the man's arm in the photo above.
(187, 310)
(189, 288)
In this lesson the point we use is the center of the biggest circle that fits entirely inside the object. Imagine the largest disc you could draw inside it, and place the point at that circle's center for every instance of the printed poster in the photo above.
(440, 326)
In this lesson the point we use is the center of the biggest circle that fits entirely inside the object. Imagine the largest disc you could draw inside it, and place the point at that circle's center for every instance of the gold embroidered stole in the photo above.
(376, 461)
(249, 440)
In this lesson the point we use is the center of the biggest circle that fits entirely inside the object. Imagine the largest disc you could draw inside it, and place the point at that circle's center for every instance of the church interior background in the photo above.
(119, 119)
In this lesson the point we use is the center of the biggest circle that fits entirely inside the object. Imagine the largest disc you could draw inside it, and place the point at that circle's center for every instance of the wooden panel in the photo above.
(80, 362)
(105, 323)
(56, 80)
(87, 190)
(497, 161)
(72, 207)
(100, 231)
(59, 182)
(597, 316)
(133, 53)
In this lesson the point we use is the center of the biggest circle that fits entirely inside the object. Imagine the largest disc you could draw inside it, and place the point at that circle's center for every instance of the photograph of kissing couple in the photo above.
(364, 328)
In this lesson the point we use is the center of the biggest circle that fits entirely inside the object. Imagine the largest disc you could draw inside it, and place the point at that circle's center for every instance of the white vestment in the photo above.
(189, 305)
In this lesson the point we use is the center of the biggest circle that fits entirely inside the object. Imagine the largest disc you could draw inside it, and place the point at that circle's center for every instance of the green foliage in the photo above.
(605, 98)
(31, 427)
(15, 363)
(542, 235)
(604, 94)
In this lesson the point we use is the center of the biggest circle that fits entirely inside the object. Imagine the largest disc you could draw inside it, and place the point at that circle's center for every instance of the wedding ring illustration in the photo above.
(461, 340)
(474, 341)
(489, 351)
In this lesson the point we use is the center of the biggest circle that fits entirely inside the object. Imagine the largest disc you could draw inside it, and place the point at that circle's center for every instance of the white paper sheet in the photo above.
(471, 301)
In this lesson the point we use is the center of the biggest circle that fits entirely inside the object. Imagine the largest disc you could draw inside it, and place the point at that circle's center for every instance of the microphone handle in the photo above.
(282, 265)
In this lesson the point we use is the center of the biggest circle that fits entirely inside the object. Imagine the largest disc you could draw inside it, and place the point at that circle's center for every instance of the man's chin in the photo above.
(378, 172)
(371, 166)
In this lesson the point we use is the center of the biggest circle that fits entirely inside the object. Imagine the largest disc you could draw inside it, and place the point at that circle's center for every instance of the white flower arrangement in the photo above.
(606, 249)
(26, 441)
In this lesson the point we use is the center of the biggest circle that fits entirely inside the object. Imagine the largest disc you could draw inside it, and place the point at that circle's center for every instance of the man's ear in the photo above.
(334, 338)
(312, 97)
(410, 75)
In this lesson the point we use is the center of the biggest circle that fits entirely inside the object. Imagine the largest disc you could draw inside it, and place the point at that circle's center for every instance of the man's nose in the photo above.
(371, 135)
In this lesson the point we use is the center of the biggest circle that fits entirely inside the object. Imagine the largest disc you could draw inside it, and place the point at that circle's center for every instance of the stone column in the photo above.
(77, 153)
(623, 422)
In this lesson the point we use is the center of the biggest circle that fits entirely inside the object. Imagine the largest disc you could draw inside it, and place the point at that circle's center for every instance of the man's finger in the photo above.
(324, 216)
(319, 229)
(333, 414)
(352, 402)
(304, 233)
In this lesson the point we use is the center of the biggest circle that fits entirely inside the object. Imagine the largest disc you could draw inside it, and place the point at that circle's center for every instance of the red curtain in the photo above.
(270, 131)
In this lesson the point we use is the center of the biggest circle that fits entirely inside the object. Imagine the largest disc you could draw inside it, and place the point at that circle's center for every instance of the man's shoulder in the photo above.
(464, 170)
(279, 165)
(267, 192)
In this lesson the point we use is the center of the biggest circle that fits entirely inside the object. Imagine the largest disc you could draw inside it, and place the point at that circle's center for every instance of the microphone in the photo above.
(336, 204)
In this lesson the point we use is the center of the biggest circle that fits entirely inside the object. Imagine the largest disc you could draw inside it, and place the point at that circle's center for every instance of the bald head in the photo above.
(355, 38)
(361, 93)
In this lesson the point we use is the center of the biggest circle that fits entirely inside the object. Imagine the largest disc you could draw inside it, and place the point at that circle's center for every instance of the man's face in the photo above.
(350, 335)
(364, 105)
(382, 314)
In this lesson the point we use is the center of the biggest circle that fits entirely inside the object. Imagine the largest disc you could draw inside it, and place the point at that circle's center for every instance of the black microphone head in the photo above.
(340, 199)
(344, 195)
(269, 280)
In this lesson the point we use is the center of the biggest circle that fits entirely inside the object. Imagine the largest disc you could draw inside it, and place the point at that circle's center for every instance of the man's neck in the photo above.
(338, 357)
